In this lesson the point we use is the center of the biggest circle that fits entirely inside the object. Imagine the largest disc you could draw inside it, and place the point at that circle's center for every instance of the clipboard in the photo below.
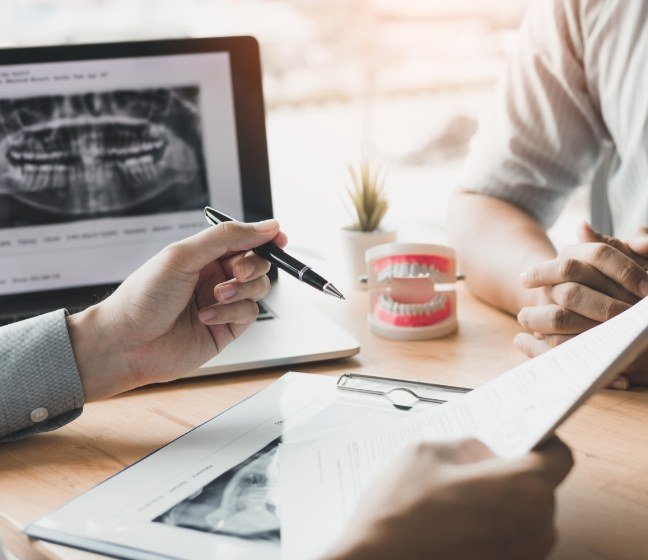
(401, 393)
(172, 504)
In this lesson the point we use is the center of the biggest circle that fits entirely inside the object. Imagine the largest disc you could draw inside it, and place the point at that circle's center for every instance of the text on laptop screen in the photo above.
(104, 162)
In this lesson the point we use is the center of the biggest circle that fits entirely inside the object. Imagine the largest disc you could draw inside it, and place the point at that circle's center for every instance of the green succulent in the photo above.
(367, 194)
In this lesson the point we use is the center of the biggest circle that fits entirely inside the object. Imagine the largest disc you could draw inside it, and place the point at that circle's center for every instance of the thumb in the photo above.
(552, 460)
(587, 234)
(638, 242)
(194, 253)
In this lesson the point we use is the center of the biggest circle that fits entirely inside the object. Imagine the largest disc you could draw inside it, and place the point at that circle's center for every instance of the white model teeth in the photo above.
(410, 270)
(412, 309)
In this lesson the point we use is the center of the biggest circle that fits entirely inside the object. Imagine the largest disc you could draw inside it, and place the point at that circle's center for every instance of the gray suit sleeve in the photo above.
(40, 386)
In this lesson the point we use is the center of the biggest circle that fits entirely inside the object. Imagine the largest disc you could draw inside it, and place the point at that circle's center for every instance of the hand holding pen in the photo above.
(281, 259)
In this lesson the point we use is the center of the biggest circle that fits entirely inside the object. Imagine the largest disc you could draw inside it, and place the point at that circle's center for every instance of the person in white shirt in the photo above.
(573, 102)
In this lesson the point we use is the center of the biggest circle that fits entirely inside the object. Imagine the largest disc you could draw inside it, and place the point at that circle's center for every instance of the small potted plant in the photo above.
(369, 204)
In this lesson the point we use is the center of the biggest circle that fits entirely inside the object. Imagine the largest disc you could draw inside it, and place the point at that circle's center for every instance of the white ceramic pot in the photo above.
(354, 245)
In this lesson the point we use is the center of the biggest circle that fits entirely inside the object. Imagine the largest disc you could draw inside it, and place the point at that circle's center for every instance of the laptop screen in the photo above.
(104, 162)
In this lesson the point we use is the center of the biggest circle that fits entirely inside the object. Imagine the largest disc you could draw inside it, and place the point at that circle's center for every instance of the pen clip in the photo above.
(215, 217)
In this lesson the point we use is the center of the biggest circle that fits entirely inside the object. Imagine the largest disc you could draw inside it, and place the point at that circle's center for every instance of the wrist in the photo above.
(103, 369)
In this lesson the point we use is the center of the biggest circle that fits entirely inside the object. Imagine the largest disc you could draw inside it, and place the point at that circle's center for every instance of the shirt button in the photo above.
(39, 414)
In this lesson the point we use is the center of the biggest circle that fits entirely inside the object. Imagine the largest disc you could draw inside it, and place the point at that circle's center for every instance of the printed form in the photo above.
(322, 481)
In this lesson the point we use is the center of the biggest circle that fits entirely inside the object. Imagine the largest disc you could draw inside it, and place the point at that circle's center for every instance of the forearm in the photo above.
(495, 242)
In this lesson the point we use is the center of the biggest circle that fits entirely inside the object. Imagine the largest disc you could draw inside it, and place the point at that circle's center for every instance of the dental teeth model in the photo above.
(411, 290)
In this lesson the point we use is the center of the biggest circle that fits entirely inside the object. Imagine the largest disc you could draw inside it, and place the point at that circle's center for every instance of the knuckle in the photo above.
(173, 253)
(229, 228)
(568, 295)
(629, 274)
(559, 317)
(568, 268)
(608, 310)
(601, 252)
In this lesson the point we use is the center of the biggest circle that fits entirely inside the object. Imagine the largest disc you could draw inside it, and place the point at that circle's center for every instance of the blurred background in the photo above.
(402, 81)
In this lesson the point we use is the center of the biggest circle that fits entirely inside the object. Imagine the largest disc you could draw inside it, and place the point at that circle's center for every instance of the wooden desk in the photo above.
(603, 506)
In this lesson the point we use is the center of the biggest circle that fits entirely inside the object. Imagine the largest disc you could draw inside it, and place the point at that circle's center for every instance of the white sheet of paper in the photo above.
(213, 492)
(322, 481)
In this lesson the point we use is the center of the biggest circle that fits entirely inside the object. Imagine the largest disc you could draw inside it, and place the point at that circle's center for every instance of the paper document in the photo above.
(214, 492)
(511, 414)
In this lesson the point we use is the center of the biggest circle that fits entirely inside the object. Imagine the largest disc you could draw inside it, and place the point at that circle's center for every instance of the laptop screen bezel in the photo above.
(250, 133)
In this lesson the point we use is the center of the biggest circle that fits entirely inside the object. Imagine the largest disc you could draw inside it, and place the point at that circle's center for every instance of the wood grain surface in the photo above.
(602, 507)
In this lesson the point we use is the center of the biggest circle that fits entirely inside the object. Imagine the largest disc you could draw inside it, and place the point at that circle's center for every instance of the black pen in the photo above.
(281, 259)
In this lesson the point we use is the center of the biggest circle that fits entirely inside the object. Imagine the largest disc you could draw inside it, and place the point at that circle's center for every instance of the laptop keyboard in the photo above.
(22, 316)
(264, 315)
(12, 319)
(264, 312)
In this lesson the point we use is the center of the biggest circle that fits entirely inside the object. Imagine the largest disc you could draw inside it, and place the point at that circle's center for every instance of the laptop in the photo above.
(109, 152)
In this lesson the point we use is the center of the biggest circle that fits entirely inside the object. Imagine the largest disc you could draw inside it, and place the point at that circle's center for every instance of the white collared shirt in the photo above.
(576, 85)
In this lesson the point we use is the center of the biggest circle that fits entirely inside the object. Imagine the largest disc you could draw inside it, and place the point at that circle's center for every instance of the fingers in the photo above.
(621, 383)
(587, 302)
(553, 319)
(194, 253)
(246, 266)
(636, 247)
(563, 270)
(535, 344)
(612, 263)
(459, 452)
(575, 309)
(241, 312)
(553, 461)
(530, 345)
(638, 242)
(281, 240)
(587, 234)
(232, 290)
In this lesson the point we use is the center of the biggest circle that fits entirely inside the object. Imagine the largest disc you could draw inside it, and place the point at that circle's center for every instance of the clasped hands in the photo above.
(585, 285)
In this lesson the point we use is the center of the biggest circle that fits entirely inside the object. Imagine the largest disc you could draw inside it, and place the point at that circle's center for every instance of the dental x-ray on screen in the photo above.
(100, 154)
